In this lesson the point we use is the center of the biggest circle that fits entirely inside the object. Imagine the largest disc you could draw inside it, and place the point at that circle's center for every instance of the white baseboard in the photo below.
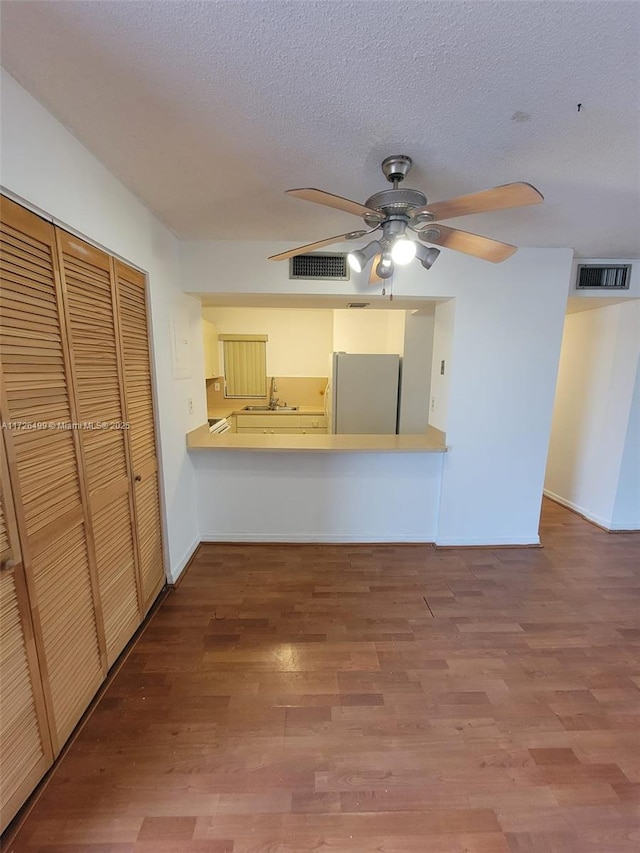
(177, 570)
(590, 516)
(488, 542)
(318, 538)
(631, 526)
(366, 538)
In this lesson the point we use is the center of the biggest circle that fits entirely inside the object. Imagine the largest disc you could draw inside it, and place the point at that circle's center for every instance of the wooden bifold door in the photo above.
(80, 531)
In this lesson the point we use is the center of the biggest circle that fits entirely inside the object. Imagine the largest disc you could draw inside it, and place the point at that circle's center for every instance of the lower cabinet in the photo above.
(281, 424)
(267, 431)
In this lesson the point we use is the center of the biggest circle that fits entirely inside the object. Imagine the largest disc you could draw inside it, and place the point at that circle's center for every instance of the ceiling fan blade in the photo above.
(335, 201)
(374, 278)
(499, 198)
(309, 247)
(470, 244)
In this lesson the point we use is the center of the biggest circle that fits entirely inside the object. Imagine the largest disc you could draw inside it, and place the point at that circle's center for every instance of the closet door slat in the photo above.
(44, 460)
(80, 518)
(88, 287)
(134, 338)
(25, 745)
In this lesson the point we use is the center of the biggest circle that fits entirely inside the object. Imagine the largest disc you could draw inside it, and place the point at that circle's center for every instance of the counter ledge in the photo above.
(432, 441)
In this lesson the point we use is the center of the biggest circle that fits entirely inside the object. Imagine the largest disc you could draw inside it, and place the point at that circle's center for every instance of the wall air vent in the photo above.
(603, 277)
(319, 265)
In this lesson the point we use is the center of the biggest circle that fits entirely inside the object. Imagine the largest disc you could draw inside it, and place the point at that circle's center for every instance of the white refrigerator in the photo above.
(362, 394)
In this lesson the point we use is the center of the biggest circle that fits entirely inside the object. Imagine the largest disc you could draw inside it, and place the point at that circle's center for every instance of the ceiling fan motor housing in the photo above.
(397, 202)
(396, 167)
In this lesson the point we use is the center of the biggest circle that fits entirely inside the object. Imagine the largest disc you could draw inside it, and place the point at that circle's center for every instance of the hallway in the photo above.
(293, 698)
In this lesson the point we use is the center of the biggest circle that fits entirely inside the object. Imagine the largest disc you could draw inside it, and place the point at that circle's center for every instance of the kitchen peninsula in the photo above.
(286, 487)
(432, 441)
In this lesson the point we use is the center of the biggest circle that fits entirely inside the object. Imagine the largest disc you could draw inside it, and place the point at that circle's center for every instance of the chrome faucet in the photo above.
(273, 400)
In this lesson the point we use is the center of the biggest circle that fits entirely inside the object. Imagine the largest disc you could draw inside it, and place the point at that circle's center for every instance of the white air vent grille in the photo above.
(603, 277)
(319, 265)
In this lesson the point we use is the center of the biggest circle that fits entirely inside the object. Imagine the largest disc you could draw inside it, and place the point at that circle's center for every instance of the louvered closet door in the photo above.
(45, 464)
(132, 312)
(87, 284)
(25, 747)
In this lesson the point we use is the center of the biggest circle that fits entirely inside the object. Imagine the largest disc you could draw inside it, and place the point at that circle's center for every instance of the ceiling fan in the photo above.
(399, 211)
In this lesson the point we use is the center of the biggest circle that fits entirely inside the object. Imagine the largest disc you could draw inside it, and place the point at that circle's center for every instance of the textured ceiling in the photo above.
(208, 111)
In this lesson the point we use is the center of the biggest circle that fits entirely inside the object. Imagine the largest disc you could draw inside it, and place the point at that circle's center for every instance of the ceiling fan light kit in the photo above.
(359, 258)
(384, 268)
(427, 257)
(403, 251)
(399, 210)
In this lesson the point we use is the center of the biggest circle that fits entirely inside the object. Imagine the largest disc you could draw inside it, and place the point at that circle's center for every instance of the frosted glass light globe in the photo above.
(403, 251)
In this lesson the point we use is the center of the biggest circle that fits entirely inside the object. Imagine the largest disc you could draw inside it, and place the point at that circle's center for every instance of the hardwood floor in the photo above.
(293, 698)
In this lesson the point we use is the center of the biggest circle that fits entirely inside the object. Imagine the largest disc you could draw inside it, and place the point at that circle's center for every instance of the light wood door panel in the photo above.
(137, 366)
(113, 534)
(150, 543)
(132, 314)
(63, 591)
(89, 297)
(45, 462)
(25, 746)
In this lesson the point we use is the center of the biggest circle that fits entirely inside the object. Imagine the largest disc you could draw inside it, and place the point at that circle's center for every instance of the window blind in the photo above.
(245, 365)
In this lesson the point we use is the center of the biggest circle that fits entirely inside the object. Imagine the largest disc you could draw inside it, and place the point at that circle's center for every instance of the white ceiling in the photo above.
(209, 110)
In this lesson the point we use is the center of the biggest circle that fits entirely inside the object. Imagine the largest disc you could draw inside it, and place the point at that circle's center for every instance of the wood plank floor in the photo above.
(350, 699)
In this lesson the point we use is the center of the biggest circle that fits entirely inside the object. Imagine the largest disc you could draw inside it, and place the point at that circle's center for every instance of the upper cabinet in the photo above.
(211, 357)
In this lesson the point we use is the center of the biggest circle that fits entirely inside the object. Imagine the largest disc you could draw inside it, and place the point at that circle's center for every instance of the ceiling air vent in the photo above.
(603, 277)
(319, 265)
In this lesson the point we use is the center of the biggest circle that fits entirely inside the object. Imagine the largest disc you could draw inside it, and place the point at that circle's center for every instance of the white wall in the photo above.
(445, 315)
(368, 331)
(416, 371)
(504, 356)
(318, 497)
(43, 164)
(300, 340)
(626, 510)
(591, 466)
(505, 345)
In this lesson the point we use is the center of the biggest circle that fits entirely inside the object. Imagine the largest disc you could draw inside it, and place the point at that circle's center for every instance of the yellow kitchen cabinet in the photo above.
(267, 420)
(272, 424)
(313, 423)
(211, 356)
(270, 430)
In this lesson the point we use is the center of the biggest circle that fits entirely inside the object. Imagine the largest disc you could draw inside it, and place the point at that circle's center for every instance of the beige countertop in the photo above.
(432, 441)
(227, 411)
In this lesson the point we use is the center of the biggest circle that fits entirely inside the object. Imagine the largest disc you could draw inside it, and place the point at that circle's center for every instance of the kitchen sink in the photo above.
(269, 409)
